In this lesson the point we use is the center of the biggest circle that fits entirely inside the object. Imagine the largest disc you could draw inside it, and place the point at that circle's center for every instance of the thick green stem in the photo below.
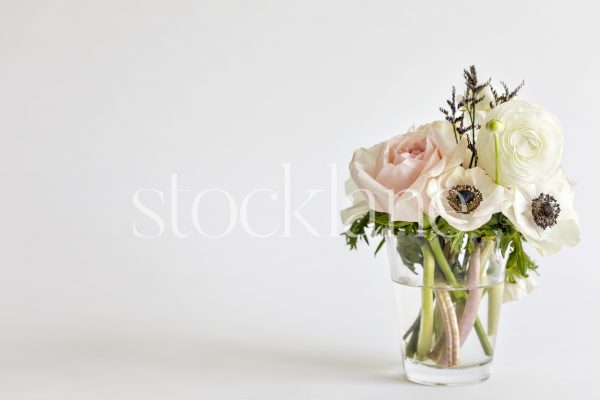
(486, 253)
(495, 293)
(459, 294)
(494, 306)
(438, 253)
(485, 342)
(497, 153)
(426, 326)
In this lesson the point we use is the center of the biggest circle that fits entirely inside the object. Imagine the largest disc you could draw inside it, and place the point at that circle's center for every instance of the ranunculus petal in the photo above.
(531, 142)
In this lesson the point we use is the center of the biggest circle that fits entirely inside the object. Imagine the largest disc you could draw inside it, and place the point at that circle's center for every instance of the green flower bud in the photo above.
(494, 125)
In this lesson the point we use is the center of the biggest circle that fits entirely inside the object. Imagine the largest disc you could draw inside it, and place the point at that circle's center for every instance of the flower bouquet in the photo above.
(454, 201)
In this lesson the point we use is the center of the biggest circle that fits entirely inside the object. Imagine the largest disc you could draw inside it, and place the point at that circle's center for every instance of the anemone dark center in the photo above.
(466, 195)
(464, 199)
(545, 210)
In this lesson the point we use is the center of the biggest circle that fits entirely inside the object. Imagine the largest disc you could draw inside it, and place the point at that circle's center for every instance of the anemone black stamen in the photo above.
(545, 210)
(464, 199)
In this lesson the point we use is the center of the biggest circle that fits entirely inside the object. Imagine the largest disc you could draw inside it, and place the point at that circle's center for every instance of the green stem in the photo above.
(426, 326)
(494, 306)
(485, 342)
(486, 253)
(459, 294)
(495, 292)
(440, 258)
(497, 152)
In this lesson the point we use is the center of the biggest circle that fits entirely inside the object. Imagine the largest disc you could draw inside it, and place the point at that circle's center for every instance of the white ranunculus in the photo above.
(521, 288)
(466, 198)
(530, 143)
(543, 212)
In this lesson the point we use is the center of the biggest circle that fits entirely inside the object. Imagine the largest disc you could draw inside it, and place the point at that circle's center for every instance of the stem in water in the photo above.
(451, 333)
(426, 326)
(472, 305)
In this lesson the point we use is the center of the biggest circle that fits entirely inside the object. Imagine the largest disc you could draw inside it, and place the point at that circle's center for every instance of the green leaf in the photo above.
(409, 249)
(457, 242)
(470, 242)
(519, 263)
(505, 242)
(380, 245)
(357, 231)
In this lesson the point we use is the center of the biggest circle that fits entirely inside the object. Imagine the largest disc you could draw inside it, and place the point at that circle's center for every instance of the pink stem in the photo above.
(472, 304)
(469, 314)
(451, 336)
(446, 339)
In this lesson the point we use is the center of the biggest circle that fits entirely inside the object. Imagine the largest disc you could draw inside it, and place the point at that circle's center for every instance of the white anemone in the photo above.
(543, 212)
(466, 198)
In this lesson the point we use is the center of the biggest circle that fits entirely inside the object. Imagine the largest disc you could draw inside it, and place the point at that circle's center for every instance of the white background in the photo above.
(101, 99)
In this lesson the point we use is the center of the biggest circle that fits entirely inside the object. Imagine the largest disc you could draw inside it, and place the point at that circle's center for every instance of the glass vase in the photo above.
(448, 294)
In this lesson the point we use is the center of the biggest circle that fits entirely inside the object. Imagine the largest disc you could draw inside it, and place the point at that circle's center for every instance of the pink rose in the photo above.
(393, 175)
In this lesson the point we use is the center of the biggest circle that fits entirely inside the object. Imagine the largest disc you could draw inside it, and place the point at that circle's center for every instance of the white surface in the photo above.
(101, 99)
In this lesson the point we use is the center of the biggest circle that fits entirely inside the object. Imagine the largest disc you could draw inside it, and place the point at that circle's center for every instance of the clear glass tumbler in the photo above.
(448, 303)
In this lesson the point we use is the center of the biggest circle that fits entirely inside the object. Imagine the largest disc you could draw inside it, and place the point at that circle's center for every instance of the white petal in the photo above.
(566, 232)
(520, 289)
